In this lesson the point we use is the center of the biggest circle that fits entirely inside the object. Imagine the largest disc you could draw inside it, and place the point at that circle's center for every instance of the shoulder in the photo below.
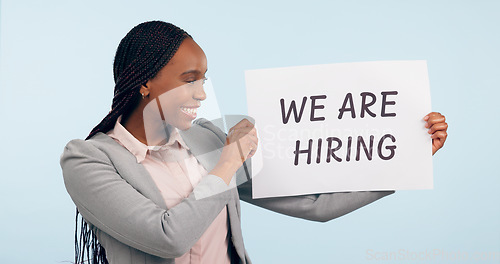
(208, 125)
(81, 160)
(95, 147)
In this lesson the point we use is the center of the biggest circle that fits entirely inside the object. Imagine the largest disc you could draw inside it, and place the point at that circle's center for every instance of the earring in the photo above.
(143, 96)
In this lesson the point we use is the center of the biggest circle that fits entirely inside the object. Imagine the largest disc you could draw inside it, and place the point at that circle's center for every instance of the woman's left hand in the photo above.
(437, 128)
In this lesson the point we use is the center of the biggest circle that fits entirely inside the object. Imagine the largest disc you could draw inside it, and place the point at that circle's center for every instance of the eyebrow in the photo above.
(192, 71)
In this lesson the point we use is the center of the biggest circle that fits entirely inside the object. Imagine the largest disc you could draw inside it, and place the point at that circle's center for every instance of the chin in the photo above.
(185, 126)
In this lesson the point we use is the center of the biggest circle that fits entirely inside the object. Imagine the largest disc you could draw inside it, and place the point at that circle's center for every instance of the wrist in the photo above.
(225, 170)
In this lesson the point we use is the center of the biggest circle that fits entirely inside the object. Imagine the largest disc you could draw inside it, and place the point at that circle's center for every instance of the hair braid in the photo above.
(141, 54)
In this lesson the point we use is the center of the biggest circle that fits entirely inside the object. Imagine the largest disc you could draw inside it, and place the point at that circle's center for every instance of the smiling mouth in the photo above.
(190, 111)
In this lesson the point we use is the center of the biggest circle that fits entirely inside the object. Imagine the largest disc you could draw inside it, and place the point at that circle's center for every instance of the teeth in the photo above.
(191, 111)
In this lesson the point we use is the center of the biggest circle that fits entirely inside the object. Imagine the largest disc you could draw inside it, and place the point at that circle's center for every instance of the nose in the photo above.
(199, 94)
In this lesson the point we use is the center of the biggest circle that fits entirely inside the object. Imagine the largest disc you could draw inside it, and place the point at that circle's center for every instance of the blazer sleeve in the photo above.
(112, 205)
(316, 207)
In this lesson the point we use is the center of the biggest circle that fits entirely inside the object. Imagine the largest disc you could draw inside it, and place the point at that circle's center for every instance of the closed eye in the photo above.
(204, 79)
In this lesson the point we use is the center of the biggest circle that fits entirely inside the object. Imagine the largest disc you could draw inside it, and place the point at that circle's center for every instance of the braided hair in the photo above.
(140, 55)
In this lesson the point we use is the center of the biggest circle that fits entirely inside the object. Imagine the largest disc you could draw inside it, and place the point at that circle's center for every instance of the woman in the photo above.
(154, 188)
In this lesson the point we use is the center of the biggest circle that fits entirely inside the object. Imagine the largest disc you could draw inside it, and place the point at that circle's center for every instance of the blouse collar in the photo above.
(139, 149)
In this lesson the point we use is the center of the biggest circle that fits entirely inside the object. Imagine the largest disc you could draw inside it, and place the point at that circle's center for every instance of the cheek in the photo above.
(170, 109)
(171, 102)
(166, 103)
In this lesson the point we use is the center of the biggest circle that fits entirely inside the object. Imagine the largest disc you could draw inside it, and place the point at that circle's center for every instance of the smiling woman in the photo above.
(145, 200)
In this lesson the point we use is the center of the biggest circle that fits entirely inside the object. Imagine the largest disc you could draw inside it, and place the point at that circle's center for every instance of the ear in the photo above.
(145, 89)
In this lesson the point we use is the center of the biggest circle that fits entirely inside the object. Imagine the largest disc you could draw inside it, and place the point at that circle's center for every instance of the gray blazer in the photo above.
(117, 196)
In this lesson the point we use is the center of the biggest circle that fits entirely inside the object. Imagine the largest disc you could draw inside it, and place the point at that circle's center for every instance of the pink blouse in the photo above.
(176, 172)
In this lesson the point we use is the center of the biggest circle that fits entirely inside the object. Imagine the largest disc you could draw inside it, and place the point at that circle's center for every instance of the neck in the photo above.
(157, 133)
(134, 123)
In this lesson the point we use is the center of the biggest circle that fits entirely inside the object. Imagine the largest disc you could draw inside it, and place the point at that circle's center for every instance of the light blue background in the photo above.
(56, 84)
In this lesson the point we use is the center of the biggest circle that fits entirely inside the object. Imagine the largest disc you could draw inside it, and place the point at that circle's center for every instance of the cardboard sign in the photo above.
(340, 127)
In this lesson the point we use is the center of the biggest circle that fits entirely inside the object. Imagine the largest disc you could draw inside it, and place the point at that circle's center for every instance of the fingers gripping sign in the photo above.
(436, 123)
(244, 135)
(241, 144)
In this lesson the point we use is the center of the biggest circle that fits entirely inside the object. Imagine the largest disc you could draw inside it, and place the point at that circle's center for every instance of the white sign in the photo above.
(340, 127)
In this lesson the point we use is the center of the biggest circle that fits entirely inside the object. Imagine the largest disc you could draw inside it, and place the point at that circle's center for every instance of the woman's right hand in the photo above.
(241, 144)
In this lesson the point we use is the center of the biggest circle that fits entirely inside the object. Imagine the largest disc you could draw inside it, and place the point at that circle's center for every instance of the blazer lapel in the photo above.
(203, 144)
(131, 171)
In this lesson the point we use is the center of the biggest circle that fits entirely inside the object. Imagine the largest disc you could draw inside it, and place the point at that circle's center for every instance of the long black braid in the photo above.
(139, 57)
